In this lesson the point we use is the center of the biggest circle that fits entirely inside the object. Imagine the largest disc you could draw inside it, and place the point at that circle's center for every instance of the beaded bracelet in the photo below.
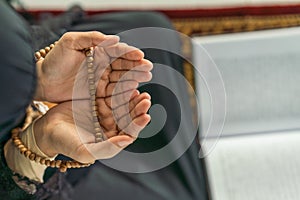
(62, 165)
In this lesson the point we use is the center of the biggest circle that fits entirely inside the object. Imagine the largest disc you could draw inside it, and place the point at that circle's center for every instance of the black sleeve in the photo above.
(17, 70)
(17, 85)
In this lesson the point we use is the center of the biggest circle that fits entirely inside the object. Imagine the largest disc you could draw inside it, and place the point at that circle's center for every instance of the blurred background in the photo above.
(154, 4)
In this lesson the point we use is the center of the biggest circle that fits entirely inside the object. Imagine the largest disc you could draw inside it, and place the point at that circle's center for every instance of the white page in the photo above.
(256, 156)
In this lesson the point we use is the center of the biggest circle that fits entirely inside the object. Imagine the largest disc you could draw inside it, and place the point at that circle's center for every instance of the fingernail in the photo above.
(124, 143)
(109, 40)
(113, 37)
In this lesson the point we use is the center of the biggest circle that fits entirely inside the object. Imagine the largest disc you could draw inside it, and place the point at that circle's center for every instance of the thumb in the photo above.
(122, 141)
(83, 40)
(109, 148)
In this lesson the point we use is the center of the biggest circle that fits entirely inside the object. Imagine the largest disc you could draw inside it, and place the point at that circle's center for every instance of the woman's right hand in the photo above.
(57, 132)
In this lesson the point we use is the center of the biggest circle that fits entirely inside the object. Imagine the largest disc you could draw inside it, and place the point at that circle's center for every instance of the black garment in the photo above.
(17, 86)
(181, 180)
(17, 70)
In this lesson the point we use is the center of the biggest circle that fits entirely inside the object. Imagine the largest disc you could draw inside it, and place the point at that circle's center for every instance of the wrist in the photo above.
(40, 88)
(26, 166)
(42, 134)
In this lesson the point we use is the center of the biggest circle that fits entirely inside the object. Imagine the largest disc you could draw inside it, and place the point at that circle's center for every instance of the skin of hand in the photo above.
(60, 67)
(57, 131)
(121, 109)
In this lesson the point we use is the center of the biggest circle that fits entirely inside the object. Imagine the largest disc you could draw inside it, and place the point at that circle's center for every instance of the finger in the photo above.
(141, 108)
(137, 106)
(105, 89)
(83, 40)
(111, 133)
(125, 109)
(107, 120)
(120, 87)
(109, 148)
(120, 99)
(134, 128)
(124, 64)
(138, 76)
(108, 123)
(124, 51)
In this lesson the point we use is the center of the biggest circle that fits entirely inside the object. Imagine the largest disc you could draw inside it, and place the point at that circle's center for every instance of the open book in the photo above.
(256, 155)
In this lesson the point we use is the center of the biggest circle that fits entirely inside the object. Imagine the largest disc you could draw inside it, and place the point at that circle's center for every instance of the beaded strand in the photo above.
(43, 52)
(92, 89)
(62, 165)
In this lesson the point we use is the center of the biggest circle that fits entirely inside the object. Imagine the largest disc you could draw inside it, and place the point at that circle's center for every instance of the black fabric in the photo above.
(181, 180)
(17, 70)
(8, 188)
(17, 86)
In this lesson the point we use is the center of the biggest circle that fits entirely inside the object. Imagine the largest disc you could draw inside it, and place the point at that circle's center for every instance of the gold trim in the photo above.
(223, 25)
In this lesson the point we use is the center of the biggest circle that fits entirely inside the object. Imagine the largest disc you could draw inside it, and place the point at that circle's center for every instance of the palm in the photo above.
(73, 134)
(62, 67)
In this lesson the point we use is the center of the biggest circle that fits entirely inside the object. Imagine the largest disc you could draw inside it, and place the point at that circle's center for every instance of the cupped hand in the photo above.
(57, 73)
(67, 130)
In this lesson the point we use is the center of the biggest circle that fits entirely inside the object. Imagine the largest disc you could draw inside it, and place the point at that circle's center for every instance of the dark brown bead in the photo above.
(63, 168)
(47, 162)
(32, 156)
(23, 150)
(58, 163)
(47, 49)
(20, 146)
(77, 164)
(68, 164)
(43, 52)
(27, 153)
(53, 163)
(89, 53)
(73, 164)
(17, 142)
(43, 161)
(37, 55)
